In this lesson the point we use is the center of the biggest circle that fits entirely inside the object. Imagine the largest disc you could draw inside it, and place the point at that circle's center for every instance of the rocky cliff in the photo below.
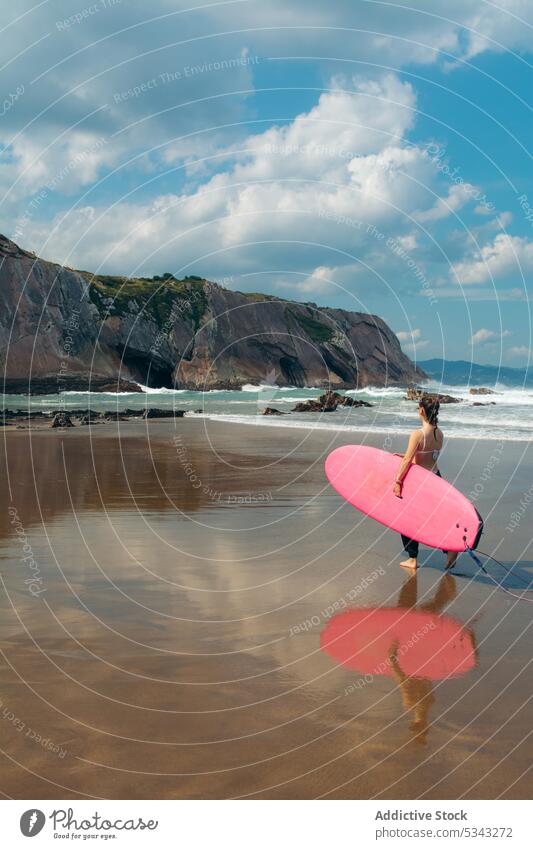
(66, 329)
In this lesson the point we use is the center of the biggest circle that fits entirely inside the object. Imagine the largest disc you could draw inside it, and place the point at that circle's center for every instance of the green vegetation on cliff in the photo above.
(316, 330)
(259, 296)
(157, 298)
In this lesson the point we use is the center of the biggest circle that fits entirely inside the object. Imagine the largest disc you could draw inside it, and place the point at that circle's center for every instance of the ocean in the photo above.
(509, 418)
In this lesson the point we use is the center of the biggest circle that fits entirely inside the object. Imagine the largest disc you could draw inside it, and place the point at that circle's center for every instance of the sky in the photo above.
(368, 155)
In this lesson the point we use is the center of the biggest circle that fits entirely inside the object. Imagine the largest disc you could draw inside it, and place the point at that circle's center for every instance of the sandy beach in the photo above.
(165, 587)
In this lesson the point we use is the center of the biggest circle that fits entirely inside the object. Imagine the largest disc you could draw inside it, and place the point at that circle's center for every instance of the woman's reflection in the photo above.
(415, 645)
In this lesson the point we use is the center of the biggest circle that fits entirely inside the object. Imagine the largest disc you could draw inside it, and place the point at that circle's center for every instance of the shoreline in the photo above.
(42, 422)
(506, 416)
(59, 385)
(381, 431)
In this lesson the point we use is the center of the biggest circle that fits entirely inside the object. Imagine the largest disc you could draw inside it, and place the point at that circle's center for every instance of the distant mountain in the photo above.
(461, 372)
(65, 329)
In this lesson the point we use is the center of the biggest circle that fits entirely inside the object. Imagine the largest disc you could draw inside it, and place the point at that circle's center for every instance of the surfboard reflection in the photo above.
(414, 645)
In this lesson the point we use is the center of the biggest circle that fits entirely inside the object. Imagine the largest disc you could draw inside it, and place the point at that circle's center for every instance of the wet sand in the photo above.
(162, 638)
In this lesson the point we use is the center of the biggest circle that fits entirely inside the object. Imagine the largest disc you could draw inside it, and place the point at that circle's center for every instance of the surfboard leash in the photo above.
(478, 562)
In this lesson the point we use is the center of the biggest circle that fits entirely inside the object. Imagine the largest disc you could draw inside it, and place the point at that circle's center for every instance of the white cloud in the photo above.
(295, 199)
(458, 195)
(483, 209)
(300, 196)
(478, 293)
(415, 347)
(117, 50)
(63, 165)
(296, 188)
(405, 335)
(321, 280)
(499, 223)
(499, 27)
(484, 335)
(401, 33)
(412, 341)
(503, 256)
(520, 351)
(353, 121)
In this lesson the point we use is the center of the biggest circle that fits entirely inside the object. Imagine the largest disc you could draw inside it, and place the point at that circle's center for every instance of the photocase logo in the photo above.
(32, 822)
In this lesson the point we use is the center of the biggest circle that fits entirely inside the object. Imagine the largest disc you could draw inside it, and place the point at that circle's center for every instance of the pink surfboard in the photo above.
(427, 645)
(430, 510)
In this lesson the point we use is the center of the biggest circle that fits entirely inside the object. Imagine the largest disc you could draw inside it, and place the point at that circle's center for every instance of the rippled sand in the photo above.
(162, 638)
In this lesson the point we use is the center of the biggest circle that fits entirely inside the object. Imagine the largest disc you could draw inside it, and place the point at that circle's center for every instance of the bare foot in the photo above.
(452, 560)
(410, 563)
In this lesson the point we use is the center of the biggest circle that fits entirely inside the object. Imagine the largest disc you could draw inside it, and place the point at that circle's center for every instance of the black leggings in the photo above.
(411, 545)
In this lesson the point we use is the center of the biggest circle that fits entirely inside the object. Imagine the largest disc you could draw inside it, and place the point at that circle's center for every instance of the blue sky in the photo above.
(360, 154)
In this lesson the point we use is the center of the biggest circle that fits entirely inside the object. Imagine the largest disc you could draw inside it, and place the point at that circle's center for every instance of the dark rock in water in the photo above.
(92, 417)
(115, 416)
(482, 390)
(328, 403)
(416, 394)
(87, 417)
(353, 402)
(54, 383)
(11, 417)
(163, 414)
(61, 420)
(447, 399)
(84, 417)
(121, 386)
(271, 411)
(79, 413)
(484, 404)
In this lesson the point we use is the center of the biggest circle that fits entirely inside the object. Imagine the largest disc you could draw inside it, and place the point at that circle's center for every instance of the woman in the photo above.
(424, 448)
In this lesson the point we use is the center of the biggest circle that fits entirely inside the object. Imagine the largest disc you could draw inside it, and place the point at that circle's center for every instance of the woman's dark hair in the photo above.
(431, 408)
